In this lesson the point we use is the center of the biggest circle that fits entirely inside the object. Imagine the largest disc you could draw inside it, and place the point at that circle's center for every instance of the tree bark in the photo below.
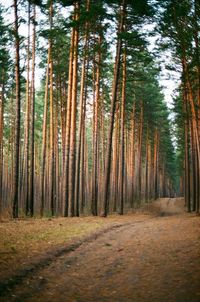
(155, 164)
(95, 189)
(147, 167)
(140, 153)
(25, 174)
(44, 137)
(122, 155)
(17, 116)
(81, 125)
(68, 124)
(72, 154)
(52, 153)
(32, 129)
(1, 140)
(113, 104)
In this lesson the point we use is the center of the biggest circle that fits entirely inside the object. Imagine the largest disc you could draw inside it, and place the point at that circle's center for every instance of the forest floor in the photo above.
(152, 255)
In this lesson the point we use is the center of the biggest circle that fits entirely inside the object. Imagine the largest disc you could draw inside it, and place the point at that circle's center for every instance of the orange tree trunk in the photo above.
(113, 103)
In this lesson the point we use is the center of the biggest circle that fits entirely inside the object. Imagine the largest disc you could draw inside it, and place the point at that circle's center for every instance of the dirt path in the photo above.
(155, 259)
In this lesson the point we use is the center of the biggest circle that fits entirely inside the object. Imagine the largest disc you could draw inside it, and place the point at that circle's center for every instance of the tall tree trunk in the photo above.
(113, 104)
(133, 156)
(150, 172)
(116, 160)
(95, 188)
(123, 102)
(147, 167)
(63, 102)
(191, 102)
(84, 163)
(80, 141)
(140, 152)
(44, 137)
(17, 116)
(56, 152)
(52, 154)
(1, 140)
(155, 164)
(32, 130)
(25, 173)
(193, 165)
(68, 124)
(81, 119)
(196, 39)
(72, 154)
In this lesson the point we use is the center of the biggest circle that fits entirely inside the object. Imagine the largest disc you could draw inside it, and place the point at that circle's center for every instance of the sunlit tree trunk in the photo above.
(191, 102)
(113, 104)
(68, 123)
(72, 154)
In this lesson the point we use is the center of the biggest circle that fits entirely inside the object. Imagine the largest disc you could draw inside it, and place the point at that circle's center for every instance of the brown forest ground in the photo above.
(153, 255)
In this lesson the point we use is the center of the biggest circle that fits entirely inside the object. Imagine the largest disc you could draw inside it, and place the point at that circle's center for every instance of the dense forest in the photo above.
(84, 125)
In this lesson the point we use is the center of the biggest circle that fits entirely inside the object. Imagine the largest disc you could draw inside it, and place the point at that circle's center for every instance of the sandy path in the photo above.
(157, 259)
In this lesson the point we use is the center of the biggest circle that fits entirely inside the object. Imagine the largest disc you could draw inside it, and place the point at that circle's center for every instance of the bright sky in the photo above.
(168, 80)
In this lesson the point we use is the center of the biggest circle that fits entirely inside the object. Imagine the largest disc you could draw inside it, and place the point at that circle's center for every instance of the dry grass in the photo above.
(23, 240)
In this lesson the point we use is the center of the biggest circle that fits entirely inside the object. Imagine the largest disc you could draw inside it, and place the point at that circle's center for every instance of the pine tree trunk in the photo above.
(32, 128)
(196, 39)
(83, 164)
(140, 153)
(113, 104)
(57, 161)
(95, 189)
(192, 106)
(81, 125)
(25, 180)
(155, 165)
(44, 138)
(68, 123)
(17, 117)
(147, 168)
(150, 172)
(116, 161)
(52, 154)
(1, 140)
(123, 103)
(133, 156)
(72, 154)
(63, 109)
